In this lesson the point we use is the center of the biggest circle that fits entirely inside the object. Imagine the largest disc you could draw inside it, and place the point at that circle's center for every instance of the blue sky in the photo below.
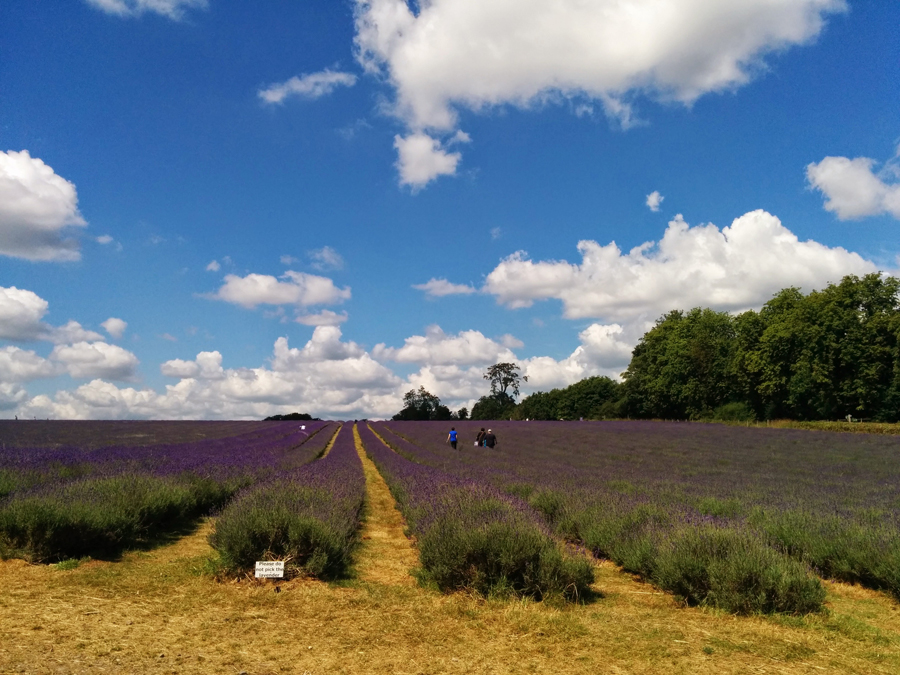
(210, 209)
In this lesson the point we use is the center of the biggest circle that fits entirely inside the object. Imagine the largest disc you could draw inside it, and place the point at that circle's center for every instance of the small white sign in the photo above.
(269, 569)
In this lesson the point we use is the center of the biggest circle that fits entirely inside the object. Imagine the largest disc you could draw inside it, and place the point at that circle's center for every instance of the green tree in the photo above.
(499, 406)
(682, 367)
(590, 398)
(503, 377)
(831, 353)
(586, 398)
(420, 404)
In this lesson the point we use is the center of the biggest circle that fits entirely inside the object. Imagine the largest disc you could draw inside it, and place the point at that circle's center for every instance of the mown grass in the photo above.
(159, 611)
(825, 425)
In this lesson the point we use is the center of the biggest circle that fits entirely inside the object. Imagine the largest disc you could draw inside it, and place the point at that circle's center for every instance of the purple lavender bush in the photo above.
(69, 502)
(791, 501)
(471, 536)
(308, 517)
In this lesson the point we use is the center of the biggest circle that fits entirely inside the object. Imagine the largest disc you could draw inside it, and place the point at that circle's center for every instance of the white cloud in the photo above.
(439, 349)
(173, 9)
(438, 288)
(298, 288)
(654, 199)
(180, 368)
(19, 365)
(326, 258)
(324, 345)
(852, 190)
(511, 341)
(207, 366)
(288, 260)
(214, 266)
(737, 267)
(11, 395)
(37, 208)
(327, 377)
(71, 332)
(115, 327)
(324, 318)
(442, 56)
(496, 233)
(96, 359)
(105, 239)
(311, 85)
(421, 159)
(21, 312)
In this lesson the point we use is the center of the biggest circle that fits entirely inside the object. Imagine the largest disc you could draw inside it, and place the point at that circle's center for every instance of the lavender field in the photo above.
(472, 536)
(79, 496)
(308, 516)
(730, 516)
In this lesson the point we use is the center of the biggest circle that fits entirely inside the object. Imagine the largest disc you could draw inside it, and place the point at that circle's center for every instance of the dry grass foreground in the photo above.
(157, 612)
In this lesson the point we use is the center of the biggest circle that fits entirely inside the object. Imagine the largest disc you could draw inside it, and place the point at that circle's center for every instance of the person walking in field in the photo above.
(451, 437)
(479, 439)
(489, 439)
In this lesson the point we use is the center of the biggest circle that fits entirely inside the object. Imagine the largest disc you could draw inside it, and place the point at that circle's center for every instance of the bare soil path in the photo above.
(386, 555)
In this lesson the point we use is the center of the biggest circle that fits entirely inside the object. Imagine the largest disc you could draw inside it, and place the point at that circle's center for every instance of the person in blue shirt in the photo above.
(452, 437)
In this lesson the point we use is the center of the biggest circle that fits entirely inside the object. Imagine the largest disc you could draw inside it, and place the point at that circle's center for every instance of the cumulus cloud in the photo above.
(324, 318)
(311, 85)
(105, 239)
(326, 258)
(19, 365)
(21, 312)
(115, 327)
(326, 376)
(438, 288)
(180, 368)
(421, 159)
(11, 395)
(737, 267)
(72, 331)
(173, 9)
(96, 360)
(214, 266)
(437, 348)
(37, 210)
(604, 349)
(296, 288)
(654, 199)
(853, 190)
(442, 56)
(207, 366)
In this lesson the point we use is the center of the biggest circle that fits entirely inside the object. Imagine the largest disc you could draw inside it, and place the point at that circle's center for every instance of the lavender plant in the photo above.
(472, 536)
(624, 489)
(59, 503)
(308, 517)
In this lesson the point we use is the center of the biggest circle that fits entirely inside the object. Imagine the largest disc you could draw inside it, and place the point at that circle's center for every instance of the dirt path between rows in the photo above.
(386, 555)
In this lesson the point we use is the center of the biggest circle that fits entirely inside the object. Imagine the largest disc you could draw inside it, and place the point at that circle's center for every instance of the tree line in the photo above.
(824, 355)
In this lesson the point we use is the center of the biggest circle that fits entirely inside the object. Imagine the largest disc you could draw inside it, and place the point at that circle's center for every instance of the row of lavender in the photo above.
(58, 503)
(307, 516)
(472, 536)
(679, 503)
